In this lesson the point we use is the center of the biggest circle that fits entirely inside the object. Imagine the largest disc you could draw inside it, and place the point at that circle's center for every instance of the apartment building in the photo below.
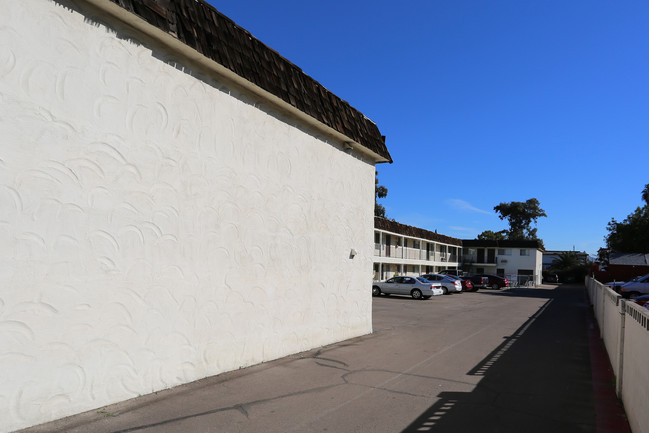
(519, 261)
(406, 250)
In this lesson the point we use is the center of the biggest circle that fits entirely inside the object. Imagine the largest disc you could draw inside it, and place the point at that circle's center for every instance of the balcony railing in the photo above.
(413, 254)
(409, 253)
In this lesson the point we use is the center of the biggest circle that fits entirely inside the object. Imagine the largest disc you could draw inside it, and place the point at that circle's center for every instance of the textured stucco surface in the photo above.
(156, 228)
(635, 392)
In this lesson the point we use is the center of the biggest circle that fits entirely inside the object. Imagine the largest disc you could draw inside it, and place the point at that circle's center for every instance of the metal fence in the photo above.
(516, 280)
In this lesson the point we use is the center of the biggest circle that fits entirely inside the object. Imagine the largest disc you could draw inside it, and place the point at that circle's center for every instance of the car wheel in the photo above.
(416, 294)
(376, 291)
(445, 290)
(633, 295)
(495, 286)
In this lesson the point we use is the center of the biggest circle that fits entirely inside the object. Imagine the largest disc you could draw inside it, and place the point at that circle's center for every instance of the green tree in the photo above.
(632, 234)
(379, 192)
(520, 216)
(566, 260)
(489, 235)
(567, 267)
(602, 256)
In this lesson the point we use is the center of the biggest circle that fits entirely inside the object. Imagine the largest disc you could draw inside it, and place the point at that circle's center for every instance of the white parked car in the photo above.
(449, 284)
(416, 287)
(636, 287)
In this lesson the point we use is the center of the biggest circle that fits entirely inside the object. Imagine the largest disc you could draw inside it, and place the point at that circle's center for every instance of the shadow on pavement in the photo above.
(537, 380)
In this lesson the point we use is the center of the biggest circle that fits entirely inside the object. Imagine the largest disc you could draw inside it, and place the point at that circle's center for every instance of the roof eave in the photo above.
(117, 12)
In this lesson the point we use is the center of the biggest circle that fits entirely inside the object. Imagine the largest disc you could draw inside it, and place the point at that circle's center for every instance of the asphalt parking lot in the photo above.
(492, 361)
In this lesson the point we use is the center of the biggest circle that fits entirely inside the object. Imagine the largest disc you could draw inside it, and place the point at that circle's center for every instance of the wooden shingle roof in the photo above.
(415, 232)
(203, 28)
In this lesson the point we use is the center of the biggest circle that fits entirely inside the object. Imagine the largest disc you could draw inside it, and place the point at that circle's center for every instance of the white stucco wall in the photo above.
(155, 228)
(515, 261)
(635, 382)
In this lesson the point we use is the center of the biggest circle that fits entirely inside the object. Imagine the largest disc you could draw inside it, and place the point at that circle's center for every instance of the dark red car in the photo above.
(467, 285)
(478, 281)
(496, 282)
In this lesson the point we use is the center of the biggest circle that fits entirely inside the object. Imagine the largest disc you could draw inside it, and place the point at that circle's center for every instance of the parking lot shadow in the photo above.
(537, 380)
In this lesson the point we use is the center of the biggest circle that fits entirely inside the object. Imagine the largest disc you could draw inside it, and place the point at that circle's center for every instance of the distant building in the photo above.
(626, 266)
(516, 260)
(550, 256)
(407, 250)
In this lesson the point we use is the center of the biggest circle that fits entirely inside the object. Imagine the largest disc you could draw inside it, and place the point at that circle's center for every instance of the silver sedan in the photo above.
(450, 285)
(417, 287)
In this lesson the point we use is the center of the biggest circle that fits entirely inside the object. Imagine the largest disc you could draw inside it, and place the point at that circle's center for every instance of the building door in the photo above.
(491, 256)
(388, 245)
(480, 255)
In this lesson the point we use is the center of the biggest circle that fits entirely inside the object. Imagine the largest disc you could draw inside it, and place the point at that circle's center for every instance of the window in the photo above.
(525, 252)
(504, 252)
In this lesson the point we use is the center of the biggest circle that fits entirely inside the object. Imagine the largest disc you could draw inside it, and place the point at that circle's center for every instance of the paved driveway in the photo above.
(491, 361)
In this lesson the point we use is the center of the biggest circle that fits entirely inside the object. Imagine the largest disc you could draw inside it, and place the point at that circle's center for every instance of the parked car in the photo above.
(642, 300)
(467, 285)
(416, 287)
(496, 282)
(615, 285)
(479, 281)
(449, 284)
(551, 278)
(636, 287)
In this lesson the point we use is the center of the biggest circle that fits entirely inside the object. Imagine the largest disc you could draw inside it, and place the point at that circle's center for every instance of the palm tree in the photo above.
(566, 260)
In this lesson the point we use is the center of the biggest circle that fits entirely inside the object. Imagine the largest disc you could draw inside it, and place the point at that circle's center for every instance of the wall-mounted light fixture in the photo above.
(353, 253)
(348, 146)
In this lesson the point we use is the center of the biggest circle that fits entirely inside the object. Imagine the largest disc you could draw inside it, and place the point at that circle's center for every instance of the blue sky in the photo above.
(484, 102)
